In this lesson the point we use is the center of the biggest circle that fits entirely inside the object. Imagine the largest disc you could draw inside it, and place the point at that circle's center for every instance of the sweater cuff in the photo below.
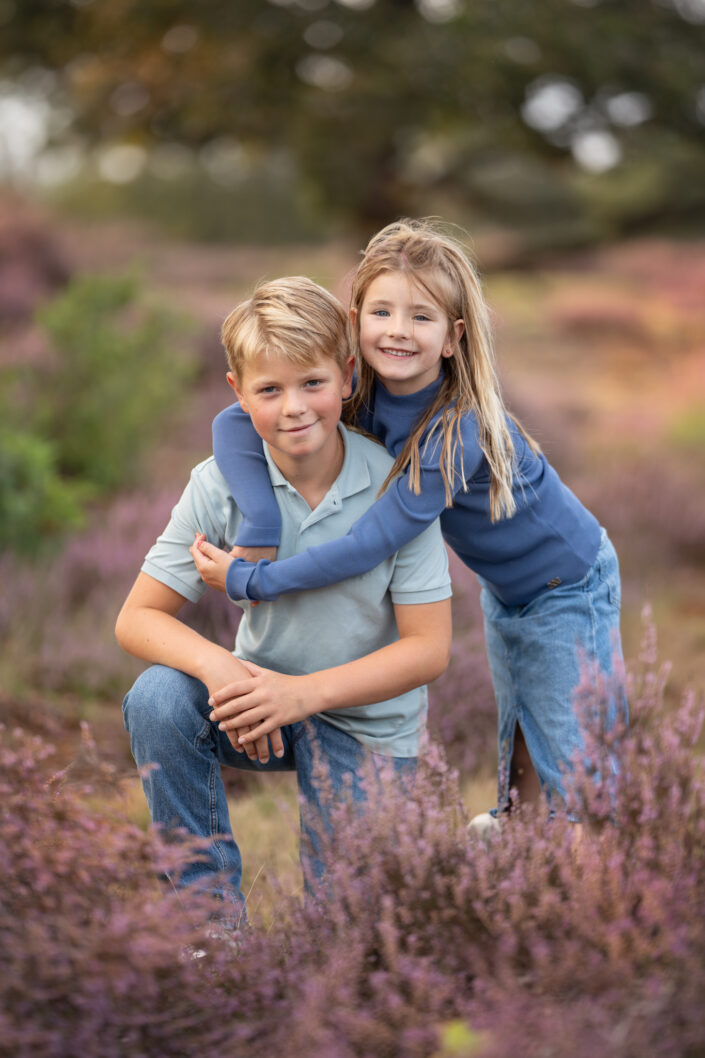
(237, 578)
(251, 535)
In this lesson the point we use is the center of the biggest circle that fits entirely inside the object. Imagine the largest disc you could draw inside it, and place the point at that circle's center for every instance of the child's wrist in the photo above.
(208, 655)
(319, 694)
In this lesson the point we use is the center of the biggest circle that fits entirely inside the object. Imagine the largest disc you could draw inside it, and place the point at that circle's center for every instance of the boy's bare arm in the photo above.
(148, 627)
(267, 700)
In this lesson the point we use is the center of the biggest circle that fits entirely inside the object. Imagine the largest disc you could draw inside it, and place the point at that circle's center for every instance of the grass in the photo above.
(265, 823)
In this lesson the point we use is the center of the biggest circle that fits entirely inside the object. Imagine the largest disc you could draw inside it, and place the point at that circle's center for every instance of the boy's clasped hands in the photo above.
(251, 711)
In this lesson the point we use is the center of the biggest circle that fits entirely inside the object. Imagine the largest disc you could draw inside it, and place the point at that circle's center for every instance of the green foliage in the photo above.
(687, 431)
(118, 374)
(257, 209)
(377, 108)
(75, 428)
(458, 1040)
(35, 500)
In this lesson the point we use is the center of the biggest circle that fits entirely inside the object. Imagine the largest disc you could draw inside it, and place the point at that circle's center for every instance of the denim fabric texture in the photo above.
(166, 715)
(535, 654)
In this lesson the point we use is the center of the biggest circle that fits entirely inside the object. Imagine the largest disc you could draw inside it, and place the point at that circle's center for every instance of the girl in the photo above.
(427, 389)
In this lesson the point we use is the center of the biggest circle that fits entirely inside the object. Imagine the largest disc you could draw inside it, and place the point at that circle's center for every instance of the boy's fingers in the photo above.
(234, 736)
(277, 743)
(253, 669)
(257, 730)
(229, 693)
(250, 749)
(244, 722)
(262, 749)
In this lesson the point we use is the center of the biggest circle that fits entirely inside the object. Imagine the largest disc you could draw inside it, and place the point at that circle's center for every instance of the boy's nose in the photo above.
(293, 403)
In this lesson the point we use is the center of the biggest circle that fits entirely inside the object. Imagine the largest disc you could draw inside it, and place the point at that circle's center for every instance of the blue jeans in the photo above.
(166, 715)
(535, 654)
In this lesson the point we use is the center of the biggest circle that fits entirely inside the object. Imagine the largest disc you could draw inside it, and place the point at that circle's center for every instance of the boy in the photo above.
(336, 673)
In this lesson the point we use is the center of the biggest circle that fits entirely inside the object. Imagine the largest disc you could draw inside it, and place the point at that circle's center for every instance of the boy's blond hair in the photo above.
(292, 317)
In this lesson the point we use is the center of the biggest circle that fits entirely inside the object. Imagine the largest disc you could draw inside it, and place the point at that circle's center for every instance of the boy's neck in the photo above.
(312, 476)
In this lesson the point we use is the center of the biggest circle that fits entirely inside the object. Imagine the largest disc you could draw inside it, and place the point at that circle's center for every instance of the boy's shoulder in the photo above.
(367, 448)
(367, 462)
(207, 476)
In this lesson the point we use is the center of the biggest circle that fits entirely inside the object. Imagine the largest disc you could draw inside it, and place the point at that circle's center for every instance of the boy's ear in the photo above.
(348, 376)
(455, 333)
(235, 386)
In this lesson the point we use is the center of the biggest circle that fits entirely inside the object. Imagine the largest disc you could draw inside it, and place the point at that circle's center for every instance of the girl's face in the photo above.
(404, 333)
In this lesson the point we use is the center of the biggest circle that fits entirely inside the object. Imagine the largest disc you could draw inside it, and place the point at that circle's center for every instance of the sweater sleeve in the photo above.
(238, 452)
(391, 522)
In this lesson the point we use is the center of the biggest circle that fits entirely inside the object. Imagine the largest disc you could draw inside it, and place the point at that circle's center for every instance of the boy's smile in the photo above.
(295, 408)
(404, 333)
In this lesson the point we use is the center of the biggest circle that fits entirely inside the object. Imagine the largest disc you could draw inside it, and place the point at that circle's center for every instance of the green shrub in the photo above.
(119, 372)
(75, 428)
(35, 501)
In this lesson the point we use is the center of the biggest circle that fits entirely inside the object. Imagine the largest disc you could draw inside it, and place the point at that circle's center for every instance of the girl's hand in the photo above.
(267, 701)
(211, 562)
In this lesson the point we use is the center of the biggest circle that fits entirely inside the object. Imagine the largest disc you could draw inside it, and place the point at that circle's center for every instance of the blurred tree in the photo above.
(372, 103)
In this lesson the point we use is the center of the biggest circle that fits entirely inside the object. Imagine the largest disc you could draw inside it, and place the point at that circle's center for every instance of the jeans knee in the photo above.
(163, 698)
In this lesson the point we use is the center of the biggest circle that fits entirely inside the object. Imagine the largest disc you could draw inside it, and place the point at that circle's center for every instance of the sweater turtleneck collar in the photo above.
(412, 403)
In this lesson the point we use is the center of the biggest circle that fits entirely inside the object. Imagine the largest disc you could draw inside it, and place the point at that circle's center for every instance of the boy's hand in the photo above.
(264, 703)
(256, 748)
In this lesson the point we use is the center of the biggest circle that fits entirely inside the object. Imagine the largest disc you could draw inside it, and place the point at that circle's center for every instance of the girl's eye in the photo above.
(422, 317)
(380, 312)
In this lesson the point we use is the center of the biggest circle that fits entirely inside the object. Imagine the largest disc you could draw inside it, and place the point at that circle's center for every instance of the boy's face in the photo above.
(294, 408)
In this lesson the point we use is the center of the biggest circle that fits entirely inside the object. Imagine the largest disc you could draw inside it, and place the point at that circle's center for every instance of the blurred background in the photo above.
(157, 158)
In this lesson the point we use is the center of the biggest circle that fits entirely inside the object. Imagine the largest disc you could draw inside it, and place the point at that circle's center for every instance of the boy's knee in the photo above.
(163, 696)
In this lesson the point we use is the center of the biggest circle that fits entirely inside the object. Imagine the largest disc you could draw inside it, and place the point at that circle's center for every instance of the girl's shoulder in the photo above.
(463, 436)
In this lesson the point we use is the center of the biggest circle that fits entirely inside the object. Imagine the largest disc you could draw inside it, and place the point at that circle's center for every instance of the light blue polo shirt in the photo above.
(311, 630)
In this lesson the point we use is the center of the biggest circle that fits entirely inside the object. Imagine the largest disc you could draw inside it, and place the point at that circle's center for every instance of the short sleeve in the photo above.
(421, 570)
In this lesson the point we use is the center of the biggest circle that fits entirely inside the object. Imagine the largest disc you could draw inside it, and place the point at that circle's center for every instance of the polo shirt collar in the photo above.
(354, 476)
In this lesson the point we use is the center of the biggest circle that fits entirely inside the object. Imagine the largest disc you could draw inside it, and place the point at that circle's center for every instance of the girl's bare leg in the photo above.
(522, 774)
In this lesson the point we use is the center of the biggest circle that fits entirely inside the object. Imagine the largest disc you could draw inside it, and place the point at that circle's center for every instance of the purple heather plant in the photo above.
(95, 948)
(59, 614)
(546, 945)
(539, 941)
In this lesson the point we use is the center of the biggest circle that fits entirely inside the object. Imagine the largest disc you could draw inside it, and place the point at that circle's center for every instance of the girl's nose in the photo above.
(397, 325)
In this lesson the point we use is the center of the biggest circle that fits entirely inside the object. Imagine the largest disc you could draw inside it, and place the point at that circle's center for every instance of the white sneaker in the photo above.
(484, 826)
(221, 935)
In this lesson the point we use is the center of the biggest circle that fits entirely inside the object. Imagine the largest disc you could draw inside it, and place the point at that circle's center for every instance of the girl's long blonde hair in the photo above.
(438, 263)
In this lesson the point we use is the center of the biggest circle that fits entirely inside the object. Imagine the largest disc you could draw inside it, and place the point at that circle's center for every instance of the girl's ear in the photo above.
(455, 333)
(348, 377)
(235, 386)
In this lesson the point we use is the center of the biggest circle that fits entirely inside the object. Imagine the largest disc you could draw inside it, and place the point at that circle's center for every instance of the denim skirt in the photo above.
(541, 653)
